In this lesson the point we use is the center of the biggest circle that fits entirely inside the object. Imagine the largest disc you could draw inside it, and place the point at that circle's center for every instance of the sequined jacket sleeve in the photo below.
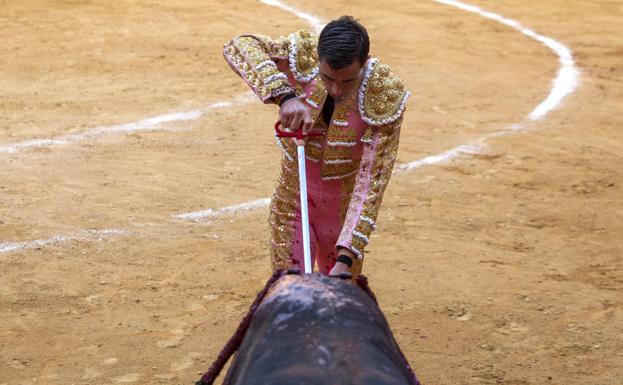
(375, 170)
(273, 67)
(255, 59)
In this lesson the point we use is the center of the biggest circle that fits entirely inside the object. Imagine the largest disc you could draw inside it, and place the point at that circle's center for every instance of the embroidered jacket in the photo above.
(361, 140)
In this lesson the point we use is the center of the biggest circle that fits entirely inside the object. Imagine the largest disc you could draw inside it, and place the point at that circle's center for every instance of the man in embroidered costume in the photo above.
(326, 83)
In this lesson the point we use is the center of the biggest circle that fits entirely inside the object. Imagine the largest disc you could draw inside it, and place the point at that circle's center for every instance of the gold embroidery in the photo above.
(287, 144)
(282, 216)
(337, 134)
(303, 55)
(318, 96)
(279, 47)
(248, 56)
(380, 173)
(383, 95)
(313, 147)
(337, 171)
(338, 159)
(367, 136)
(348, 184)
(364, 227)
(337, 153)
(358, 243)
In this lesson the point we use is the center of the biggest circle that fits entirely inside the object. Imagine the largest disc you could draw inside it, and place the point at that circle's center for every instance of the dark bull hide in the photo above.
(312, 329)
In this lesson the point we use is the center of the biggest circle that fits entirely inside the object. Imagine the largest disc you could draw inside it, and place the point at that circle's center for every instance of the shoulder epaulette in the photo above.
(382, 95)
(303, 55)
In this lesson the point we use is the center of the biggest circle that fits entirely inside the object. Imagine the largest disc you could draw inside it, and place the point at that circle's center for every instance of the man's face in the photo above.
(344, 82)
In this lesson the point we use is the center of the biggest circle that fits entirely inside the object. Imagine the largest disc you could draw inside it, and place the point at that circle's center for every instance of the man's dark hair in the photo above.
(343, 41)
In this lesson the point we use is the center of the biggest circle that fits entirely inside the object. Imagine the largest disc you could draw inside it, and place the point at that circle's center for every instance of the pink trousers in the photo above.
(327, 201)
(325, 222)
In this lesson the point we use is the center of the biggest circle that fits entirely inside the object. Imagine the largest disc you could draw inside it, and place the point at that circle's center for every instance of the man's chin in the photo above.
(337, 99)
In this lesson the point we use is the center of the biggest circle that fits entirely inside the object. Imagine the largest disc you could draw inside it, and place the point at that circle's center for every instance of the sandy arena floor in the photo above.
(501, 267)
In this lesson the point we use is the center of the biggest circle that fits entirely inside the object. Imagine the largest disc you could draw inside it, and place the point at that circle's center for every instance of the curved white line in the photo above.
(7, 247)
(313, 21)
(211, 213)
(565, 82)
(464, 149)
(149, 124)
(567, 79)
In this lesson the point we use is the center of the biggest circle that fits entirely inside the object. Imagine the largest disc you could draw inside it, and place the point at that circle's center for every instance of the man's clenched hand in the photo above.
(293, 113)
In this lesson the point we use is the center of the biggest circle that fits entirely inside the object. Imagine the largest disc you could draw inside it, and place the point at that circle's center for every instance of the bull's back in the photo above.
(313, 329)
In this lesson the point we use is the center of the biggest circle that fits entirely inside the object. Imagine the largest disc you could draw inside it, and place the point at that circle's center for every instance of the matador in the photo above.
(326, 83)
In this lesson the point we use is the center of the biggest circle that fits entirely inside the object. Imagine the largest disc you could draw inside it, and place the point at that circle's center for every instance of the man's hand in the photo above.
(338, 269)
(293, 113)
(341, 267)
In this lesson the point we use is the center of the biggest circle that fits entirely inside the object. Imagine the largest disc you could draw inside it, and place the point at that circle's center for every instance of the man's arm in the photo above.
(257, 60)
(273, 67)
(375, 170)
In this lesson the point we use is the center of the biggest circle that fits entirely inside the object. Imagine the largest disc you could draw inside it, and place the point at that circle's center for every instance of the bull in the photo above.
(316, 330)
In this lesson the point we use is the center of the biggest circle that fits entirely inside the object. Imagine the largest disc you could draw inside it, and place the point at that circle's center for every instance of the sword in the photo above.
(300, 149)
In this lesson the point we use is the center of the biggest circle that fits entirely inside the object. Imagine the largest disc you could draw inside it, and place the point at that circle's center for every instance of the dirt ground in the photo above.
(504, 267)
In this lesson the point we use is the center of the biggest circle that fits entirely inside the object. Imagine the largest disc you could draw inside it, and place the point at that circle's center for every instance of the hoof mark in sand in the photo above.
(185, 363)
(172, 342)
(131, 377)
(110, 361)
(91, 373)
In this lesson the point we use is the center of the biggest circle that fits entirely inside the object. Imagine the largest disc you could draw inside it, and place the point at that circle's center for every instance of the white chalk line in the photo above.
(313, 21)
(154, 123)
(151, 124)
(213, 213)
(203, 215)
(85, 235)
(565, 82)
